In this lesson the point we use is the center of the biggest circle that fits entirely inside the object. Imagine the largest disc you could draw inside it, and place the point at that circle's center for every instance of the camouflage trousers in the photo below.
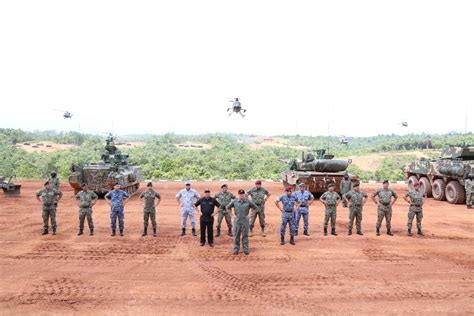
(83, 213)
(241, 232)
(188, 212)
(355, 212)
(384, 211)
(221, 215)
(301, 212)
(260, 212)
(149, 214)
(49, 213)
(287, 218)
(117, 212)
(330, 213)
(344, 202)
(412, 212)
(469, 197)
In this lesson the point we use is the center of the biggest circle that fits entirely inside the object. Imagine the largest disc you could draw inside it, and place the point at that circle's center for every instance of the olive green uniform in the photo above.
(85, 199)
(49, 198)
(385, 207)
(224, 199)
(149, 211)
(331, 199)
(241, 222)
(417, 199)
(469, 186)
(258, 197)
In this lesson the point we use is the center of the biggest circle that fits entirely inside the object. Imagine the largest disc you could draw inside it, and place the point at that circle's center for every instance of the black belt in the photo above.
(303, 205)
(385, 204)
(288, 211)
(415, 205)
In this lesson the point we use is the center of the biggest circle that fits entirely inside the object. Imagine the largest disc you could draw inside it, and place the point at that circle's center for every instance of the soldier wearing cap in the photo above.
(415, 197)
(345, 186)
(49, 198)
(290, 204)
(356, 200)
(242, 206)
(305, 199)
(117, 198)
(385, 198)
(86, 199)
(186, 198)
(54, 183)
(152, 200)
(224, 197)
(207, 206)
(259, 196)
(331, 200)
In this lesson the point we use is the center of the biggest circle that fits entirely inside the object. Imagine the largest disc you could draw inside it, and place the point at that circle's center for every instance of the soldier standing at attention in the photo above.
(86, 200)
(207, 206)
(152, 200)
(416, 198)
(186, 198)
(305, 199)
(54, 183)
(259, 196)
(224, 197)
(331, 200)
(356, 200)
(242, 208)
(345, 186)
(290, 204)
(386, 199)
(49, 198)
(117, 199)
(469, 186)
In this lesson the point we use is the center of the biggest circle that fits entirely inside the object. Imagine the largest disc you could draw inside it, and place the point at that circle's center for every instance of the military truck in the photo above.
(102, 176)
(317, 172)
(443, 178)
(8, 187)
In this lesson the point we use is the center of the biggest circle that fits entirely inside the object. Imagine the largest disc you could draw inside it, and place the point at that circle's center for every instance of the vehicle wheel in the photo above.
(439, 190)
(411, 180)
(425, 185)
(455, 193)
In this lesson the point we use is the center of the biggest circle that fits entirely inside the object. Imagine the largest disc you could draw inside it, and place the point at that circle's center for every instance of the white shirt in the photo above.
(187, 198)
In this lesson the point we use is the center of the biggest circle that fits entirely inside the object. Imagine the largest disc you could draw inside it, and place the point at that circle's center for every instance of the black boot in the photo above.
(92, 232)
(296, 233)
(183, 231)
(325, 231)
(230, 232)
(359, 232)
(349, 232)
(389, 232)
(154, 232)
(145, 232)
(113, 233)
(54, 231)
(121, 232)
(80, 232)
(194, 232)
(282, 240)
(306, 233)
(420, 232)
(45, 232)
(409, 232)
(218, 233)
(378, 231)
(292, 240)
(333, 232)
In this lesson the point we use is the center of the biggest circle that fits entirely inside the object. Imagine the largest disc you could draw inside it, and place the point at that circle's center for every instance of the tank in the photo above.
(317, 172)
(443, 178)
(102, 176)
(8, 187)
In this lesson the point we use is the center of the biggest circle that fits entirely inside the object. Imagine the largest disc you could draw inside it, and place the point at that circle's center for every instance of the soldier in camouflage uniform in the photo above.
(469, 186)
(305, 200)
(356, 200)
(416, 199)
(331, 200)
(386, 199)
(54, 182)
(242, 213)
(86, 200)
(49, 198)
(345, 186)
(224, 197)
(259, 196)
(117, 199)
(152, 200)
(290, 204)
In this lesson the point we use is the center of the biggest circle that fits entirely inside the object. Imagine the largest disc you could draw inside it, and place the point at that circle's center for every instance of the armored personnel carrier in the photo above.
(317, 172)
(443, 178)
(101, 177)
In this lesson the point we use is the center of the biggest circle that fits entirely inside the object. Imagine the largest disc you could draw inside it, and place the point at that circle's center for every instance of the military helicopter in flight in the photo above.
(404, 124)
(236, 107)
(344, 140)
(66, 114)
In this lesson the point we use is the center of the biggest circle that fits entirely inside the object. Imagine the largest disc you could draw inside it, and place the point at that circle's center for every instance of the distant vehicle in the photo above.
(443, 178)
(8, 187)
(236, 108)
(66, 114)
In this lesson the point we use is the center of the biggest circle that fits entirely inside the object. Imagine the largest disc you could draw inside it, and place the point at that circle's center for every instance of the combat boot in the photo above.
(292, 240)
(420, 232)
(113, 233)
(145, 232)
(45, 232)
(360, 233)
(469, 207)
(306, 233)
(409, 232)
(282, 240)
(183, 231)
(154, 232)
(325, 231)
(92, 232)
(194, 232)
(263, 232)
(349, 232)
(230, 232)
(296, 233)
(378, 231)
(54, 231)
(333, 232)
(218, 233)
(121, 232)
(389, 232)
(80, 232)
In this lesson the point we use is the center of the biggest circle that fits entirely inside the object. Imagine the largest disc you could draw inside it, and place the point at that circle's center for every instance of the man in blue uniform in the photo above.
(290, 204)
(305, 199)
(117, 199)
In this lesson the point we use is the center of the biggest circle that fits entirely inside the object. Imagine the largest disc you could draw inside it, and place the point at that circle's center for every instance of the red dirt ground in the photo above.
(67, 274)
